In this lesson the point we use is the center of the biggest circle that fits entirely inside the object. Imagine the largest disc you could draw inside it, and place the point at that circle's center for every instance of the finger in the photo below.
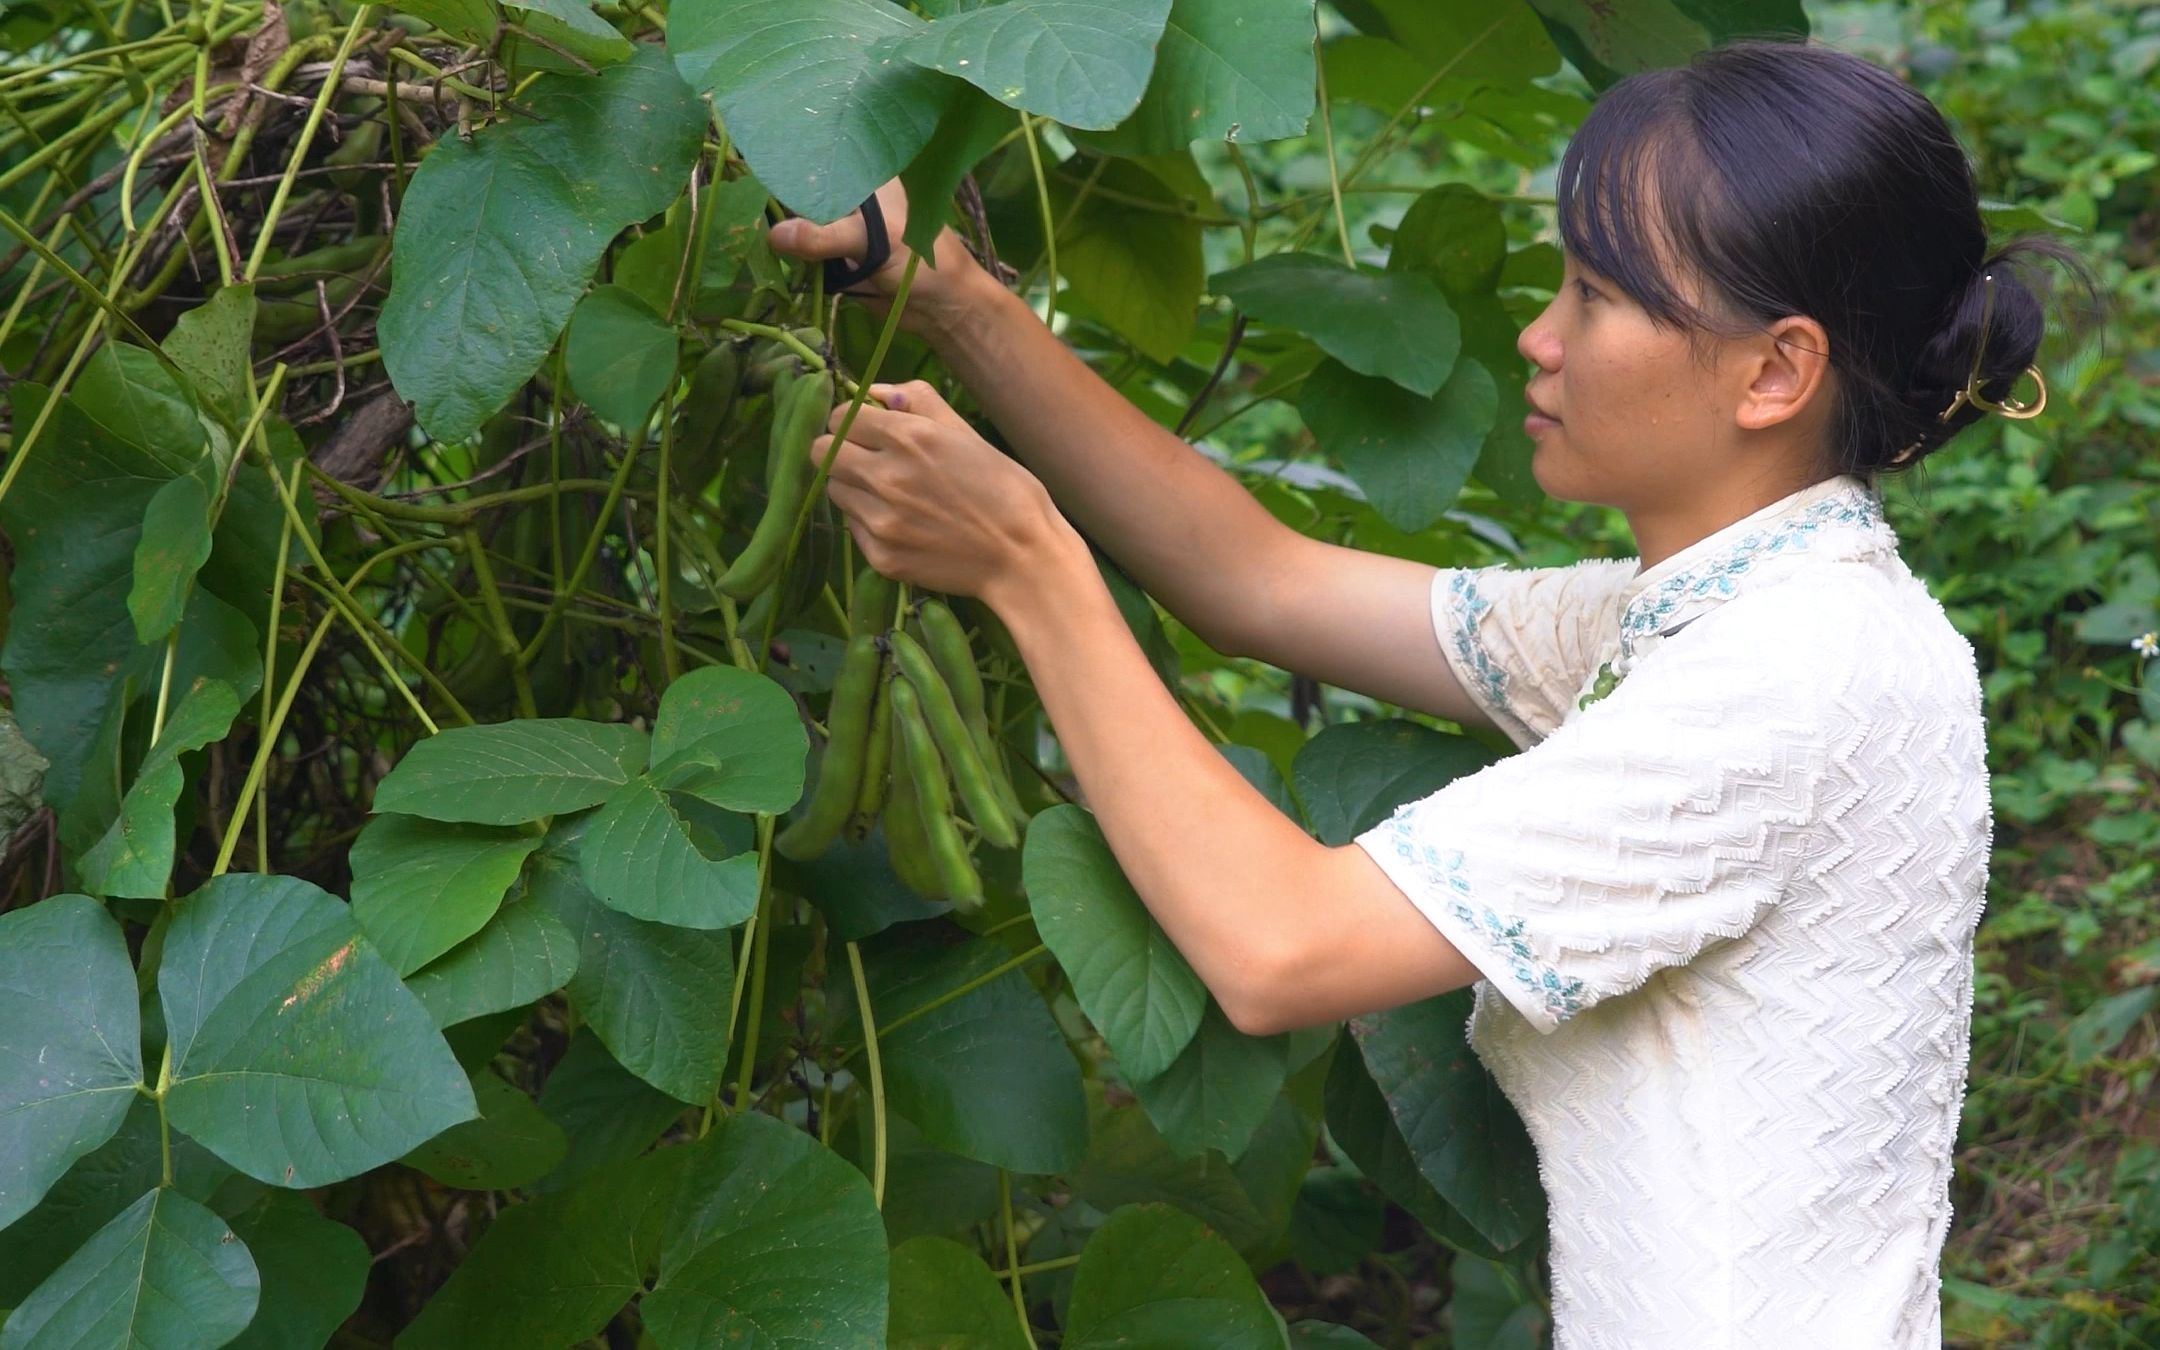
(920, 397)
(800, 237)
(875, 427)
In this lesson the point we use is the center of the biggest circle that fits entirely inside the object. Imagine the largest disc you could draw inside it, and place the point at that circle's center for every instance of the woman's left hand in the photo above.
(929, 501)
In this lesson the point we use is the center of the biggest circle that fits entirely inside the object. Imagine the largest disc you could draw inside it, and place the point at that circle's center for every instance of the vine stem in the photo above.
(877, 1076)
(585, 556)
(269, 677)
(499, 619)
(307, 136)
(266, 741)
(1042, 197)
(1012, 1254)
(753, 957)
(1327, 136)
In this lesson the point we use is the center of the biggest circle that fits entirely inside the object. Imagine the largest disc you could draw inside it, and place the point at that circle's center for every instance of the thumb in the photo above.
(919, 397)
(802, 238)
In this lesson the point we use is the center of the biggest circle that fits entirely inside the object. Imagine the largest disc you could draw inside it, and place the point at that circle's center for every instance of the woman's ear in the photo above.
(1791, 370)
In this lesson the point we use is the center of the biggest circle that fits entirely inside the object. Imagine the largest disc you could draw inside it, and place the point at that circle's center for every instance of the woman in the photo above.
(1721, 907)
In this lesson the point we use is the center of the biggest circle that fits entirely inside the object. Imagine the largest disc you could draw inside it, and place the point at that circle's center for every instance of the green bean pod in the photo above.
(700, 441)
(840, 773)
(971, 776)
(797, 420)
(947, 643)
(871, 608)
(877, 762)
(933, 799)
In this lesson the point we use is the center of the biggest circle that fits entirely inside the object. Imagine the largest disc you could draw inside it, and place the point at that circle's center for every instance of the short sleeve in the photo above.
(1672, 814)
(1522, 639)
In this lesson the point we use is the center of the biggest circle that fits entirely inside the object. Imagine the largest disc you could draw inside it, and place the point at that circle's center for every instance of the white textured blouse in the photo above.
(1724, 915)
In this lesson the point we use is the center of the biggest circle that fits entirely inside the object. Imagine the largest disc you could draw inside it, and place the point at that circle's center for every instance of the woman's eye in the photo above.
(1586, 290)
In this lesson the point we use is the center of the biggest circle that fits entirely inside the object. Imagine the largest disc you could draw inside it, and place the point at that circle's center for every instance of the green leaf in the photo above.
(1140, 269)
(1311, 1335)
(1410, 454)
(469, 21)
(297, 1056)
(523, 953)
(313, 1272)
(1395, 325)
(969, 126)
(554, 1271)
(741, 721)
(1134, 985)
(1080, 62)
(1352, 775)
(1455, 235)
(812, 92)
(996, 1043)
(210, 344)
(641, 855)
(135, 857)
(1359, 1122)
(777, 1242)
(1215, 1094)
(609, 1114)
(1155, 1276)
(498, 235)
(656, 995)
(22, 774)
(175, 544)
(1237, 70)
(1466, 1139)
(513, 772)
(1495, 44)
(129, 392)
(165, 1272)
(511, 1145)
(737, 208)
(572, 26)
(1337, 1220)
(945, 1298)
(1640, 35)
(1129, 1162)
(70, 1042)
(1486, 1313)
(97, 1187)
(421, 887)
(620, 355)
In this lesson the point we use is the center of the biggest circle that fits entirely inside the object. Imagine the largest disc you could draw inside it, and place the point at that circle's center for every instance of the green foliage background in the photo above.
(392, 945)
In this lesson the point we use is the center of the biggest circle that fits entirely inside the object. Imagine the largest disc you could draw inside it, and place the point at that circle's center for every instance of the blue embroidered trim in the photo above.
(1491, 675)
(1647, 612)
(1443, 871)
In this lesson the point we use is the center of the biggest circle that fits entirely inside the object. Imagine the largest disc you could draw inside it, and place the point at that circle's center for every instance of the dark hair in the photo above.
(1796, 179)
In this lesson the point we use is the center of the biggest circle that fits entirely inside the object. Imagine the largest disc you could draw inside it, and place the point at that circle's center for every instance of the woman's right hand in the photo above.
(937, 294)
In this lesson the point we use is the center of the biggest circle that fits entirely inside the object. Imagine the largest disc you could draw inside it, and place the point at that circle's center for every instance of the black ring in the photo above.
(841, 273)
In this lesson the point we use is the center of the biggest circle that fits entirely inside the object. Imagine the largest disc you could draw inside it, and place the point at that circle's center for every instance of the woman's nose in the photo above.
(1539, 342)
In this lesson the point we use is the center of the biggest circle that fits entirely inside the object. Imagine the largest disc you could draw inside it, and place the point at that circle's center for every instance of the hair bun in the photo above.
(1993, 329)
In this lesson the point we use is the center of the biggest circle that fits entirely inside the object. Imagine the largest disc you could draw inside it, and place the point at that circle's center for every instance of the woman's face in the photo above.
(1623, 412)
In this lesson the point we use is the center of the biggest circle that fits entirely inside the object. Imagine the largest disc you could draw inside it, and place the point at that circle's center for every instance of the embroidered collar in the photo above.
(1837, 518)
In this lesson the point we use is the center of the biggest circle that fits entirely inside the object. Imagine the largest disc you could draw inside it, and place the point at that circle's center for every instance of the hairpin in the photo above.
(2011, 408)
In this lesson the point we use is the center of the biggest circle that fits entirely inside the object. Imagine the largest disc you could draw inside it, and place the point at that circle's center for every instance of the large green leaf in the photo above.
(1487, 1312)
(777, 1242)
(656, 995)
(1498, 44)
(609, 1114)
(421, 887)
(1134, 985)
(996, 1043)
(165, 1272)
(1352, 775)
(210, 345)
(642, 855)
(732, 738)
(523, 953)
(129, 392)
(100, 1185)
(175, 543)
(1395, 325)
(313, 1272)
(945, 1298)
(22, 775)
(70, 1042)
(1141, 269)
(1455, 235)
(1080, 62)
(1155, 1276)
(513, 772)
(73, 516)
(470, 21)
(297, 1056)
(1313, 1335)
(1359, 1122)
(511, 1145)
(1409, 453)
(1237, 70)
(1640, 35)
(970, 124)
(554, 1271)
(1129, 1162)
(135, 857)
(620, 356)
(1217, 1091)
(1463, 1134)
(572, 26)
(812, 92)
(499, 234)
